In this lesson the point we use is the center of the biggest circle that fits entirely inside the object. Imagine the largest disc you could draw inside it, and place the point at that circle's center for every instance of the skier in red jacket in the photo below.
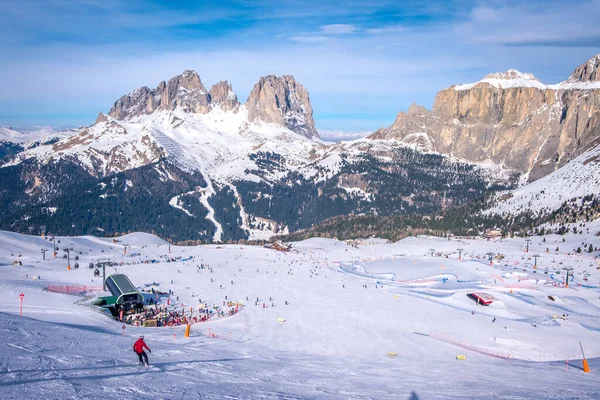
(138, 348)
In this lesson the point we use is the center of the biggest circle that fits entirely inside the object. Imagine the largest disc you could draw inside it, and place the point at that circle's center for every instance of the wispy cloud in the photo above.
(362, 61)
(531, 25)
(309, 39)
(337, 29)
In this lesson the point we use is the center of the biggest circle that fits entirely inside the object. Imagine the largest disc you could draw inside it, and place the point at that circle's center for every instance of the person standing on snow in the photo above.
(138, 348)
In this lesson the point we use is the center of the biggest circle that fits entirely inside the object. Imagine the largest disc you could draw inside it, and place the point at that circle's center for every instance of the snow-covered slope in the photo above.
(579, 178)
(35, 136)
(357, 318)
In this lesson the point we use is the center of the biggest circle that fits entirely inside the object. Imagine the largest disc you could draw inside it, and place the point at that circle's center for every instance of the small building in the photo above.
(127, 296)
(485, 299)
(492, 233)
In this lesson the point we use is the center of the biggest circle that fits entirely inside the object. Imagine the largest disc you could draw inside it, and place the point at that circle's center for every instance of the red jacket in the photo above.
(139, 346)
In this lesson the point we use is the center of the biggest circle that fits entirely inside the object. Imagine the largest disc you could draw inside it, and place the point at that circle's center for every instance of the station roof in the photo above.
(119, 284)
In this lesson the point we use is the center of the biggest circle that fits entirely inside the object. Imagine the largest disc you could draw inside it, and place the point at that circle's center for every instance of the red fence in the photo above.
(498, 353)
(73, 289)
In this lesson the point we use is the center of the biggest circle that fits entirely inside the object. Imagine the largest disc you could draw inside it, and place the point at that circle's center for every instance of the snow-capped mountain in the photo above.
(273, 99)
(511, 119)
(190, 163)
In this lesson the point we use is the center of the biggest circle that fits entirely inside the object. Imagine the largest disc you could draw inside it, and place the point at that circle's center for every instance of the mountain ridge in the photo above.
(511, 119)
(248, 171)
(273, 99)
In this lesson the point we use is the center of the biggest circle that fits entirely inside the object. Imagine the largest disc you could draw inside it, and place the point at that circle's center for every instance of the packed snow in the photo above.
(364, 319)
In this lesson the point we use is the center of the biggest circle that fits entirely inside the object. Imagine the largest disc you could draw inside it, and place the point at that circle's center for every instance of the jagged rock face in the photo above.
(141, 101)
(222, 95)
(279, 100)
(511, 119)
(101, 118)
(283, 101)
(184, 91)
(587, 72)
(187, 92)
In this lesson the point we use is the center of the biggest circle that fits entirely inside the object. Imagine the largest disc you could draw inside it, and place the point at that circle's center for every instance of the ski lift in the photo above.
(96, 272)
(91, 265)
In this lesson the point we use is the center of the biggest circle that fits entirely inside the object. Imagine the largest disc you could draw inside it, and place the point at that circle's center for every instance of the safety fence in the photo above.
(73, 289)
(569, 309)
(497, 353)
(586, 301)
(589, 327)
(522, 297)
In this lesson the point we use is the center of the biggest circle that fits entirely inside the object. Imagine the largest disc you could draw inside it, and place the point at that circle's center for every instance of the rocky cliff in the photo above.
(184, 91)
(509, 118)
(279, 100)
(283, 101)
(222, 95)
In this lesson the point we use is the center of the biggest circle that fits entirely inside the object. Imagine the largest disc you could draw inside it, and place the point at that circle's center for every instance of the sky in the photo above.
(362, 62)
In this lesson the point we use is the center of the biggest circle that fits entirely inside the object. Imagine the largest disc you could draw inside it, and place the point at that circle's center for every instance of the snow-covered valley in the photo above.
(365, 320)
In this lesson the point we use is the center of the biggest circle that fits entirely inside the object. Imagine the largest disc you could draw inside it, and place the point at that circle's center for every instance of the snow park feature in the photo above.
(325, 320)
(485, 299)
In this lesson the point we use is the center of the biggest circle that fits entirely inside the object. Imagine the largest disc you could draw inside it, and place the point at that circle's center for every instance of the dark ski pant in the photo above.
(143, 354)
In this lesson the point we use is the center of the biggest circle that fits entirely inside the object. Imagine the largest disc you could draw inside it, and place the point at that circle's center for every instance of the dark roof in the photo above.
(120, 284)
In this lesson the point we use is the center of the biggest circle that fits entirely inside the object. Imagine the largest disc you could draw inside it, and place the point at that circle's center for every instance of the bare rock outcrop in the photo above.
(101, 118)
(279, 100)
(283, 101)
(222, 95)
(509, 118)
(184, 91)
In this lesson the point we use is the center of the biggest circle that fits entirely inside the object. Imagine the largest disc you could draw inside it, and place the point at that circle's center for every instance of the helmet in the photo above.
(142, 336)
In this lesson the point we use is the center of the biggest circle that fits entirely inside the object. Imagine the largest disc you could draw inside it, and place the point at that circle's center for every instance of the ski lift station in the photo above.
(124, 294)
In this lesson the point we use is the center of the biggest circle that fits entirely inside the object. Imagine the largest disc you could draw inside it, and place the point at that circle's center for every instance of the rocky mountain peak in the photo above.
(223, 96)
(510, 74)
(283, 101)
(417, 109)
(505, 80)
(510, 118)
(185, 92)
(589, 71)
(101, 118)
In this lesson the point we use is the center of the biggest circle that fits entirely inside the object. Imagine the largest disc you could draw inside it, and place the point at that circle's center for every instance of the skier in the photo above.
(138, 348)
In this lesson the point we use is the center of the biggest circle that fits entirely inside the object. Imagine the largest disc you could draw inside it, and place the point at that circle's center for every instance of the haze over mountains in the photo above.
(207, 167)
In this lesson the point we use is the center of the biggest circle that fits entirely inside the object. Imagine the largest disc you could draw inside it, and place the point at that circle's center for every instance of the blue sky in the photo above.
(64, 61)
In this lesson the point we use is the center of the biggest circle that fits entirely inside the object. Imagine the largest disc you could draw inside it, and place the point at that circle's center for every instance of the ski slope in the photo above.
(348, 307)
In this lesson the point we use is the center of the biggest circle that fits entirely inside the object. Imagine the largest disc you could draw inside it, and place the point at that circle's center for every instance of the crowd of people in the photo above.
(162, 315)
(162, 258)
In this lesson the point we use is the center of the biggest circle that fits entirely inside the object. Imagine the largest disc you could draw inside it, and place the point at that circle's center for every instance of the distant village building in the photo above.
(492, 233)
